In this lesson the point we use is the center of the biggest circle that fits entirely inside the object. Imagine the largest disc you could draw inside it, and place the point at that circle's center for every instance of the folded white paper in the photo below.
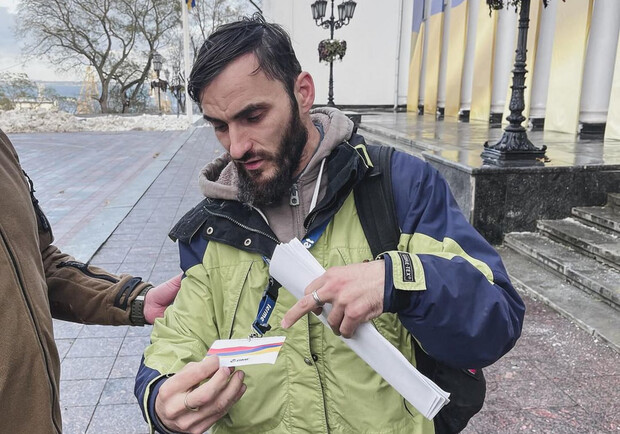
(294, 267)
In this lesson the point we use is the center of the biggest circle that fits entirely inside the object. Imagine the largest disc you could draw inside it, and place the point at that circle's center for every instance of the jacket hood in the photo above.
(218, 179)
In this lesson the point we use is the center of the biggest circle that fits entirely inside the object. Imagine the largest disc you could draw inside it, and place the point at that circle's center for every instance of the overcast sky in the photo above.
(10, 53)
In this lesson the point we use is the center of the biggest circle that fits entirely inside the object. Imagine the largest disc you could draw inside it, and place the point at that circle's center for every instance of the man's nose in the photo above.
(239, 142)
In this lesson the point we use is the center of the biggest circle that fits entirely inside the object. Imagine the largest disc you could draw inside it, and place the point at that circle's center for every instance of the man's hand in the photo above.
(184, 405)
(355, 292)
(159, 298)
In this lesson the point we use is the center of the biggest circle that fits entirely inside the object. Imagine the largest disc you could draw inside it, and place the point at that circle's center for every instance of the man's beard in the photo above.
(257, 192)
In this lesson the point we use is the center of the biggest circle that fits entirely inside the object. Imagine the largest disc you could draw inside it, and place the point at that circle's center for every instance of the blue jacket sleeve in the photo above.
(447, 284)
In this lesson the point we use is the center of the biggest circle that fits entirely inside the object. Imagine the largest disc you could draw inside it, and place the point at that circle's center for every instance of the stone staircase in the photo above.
(574, 266)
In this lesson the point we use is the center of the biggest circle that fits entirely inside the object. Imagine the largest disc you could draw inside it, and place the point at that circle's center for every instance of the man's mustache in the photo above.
(253, 155)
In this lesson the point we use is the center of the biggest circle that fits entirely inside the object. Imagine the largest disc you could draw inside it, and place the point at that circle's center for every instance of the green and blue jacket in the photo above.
(445, 286)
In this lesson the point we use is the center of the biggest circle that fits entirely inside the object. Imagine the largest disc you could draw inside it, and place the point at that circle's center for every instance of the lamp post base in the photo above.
(513, 149)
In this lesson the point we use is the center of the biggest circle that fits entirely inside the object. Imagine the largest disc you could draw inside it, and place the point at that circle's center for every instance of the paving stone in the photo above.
(95, 347)
(118, 391)
(63, 346)
(83, 368)
(66, 329)
(134, 345)
(103, 331)
(126, 367)
(140, 331)
(80, 392)
(118, 419)
(76, 419)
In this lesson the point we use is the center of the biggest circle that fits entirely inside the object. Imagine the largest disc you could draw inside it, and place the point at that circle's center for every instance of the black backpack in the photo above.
(377, 214)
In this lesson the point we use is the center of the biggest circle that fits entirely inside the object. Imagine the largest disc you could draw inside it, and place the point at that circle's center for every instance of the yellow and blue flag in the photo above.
(190, 4)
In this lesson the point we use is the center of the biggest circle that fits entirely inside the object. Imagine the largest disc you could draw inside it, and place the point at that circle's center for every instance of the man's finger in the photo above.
(208, 393)
(193, 373)
(303, 306)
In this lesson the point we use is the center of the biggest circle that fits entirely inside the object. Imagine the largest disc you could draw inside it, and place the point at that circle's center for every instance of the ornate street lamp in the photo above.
(514, 147)
(158, 61)
(330, 49)
(177, 89)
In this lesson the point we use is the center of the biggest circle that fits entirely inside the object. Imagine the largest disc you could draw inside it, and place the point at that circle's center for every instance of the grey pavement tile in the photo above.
(111, 254)
(103, 331)
(109, 267)
(116, 240)
(83, 368)
(142, 254)
(134, 345)
(159, 276)
(118, 391)
(80, 392)
(63, 346)
(118, 419)
(138, 270)
(140, 331)
(66, 329)
(126, 367)
(76, 419)
(95, 347)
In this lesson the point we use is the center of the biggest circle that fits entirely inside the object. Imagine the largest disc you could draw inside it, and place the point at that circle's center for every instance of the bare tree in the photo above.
(111, 35)
(207, 15)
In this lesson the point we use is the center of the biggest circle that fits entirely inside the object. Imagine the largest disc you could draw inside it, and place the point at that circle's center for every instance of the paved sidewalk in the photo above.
(558, 379)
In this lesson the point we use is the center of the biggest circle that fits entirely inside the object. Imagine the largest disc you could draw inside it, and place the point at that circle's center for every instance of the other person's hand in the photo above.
(184, 405)
(159, 298)
(355, 292)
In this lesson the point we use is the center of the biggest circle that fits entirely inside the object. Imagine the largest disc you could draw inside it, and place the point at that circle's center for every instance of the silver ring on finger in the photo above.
(187, 406)
(317, 299)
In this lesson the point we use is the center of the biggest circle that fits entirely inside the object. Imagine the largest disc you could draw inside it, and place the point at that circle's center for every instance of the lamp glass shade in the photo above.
(341, 12)
(321, 6)
(315, 15)
(349, 8)
(157, 61)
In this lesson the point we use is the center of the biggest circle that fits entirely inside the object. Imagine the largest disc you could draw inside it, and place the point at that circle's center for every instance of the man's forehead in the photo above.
(241, 80)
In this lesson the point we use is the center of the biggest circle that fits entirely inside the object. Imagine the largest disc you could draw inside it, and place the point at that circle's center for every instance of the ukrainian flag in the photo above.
(190, 4)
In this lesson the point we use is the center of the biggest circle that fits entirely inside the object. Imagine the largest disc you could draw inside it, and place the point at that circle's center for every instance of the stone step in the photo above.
(586, 310)
(594, 243)
(580, 270)
(613, 200)
(603, 218)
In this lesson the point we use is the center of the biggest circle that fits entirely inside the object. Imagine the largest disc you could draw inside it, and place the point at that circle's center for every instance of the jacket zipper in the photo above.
(34, 323)
(241, 225)
(84, 269)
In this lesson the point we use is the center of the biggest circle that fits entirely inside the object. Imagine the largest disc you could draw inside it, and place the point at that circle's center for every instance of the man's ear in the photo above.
(304, 91)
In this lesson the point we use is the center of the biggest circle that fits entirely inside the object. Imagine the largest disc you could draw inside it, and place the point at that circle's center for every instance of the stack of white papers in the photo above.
(294, 267)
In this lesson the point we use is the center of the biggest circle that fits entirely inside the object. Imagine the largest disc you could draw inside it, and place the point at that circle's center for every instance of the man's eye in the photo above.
(253, 119)
(220, 128)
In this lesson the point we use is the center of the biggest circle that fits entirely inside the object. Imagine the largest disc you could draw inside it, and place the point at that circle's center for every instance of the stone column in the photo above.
(425, 19)
(443, 61)
(599, 67)
(503, 60)
(468, 64)
(540, 78)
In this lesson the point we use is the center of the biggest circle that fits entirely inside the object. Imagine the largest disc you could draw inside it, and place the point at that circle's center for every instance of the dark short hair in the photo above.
(269, 42)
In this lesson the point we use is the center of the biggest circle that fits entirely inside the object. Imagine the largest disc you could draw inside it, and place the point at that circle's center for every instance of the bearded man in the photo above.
(289, 171)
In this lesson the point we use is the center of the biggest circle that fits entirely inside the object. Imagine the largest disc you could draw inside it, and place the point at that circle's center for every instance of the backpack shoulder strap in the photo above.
(374, 200)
